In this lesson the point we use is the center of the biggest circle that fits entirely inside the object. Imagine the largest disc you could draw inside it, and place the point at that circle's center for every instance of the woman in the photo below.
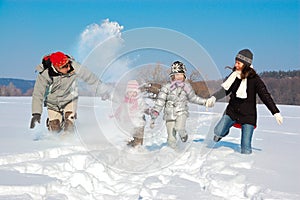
(242, 84)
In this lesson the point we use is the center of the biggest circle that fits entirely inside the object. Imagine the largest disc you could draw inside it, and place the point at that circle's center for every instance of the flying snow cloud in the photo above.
(98, 49)
(115, 55)
(96, 34)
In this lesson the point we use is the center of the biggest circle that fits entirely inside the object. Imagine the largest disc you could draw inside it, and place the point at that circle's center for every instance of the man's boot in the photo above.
(69, 122)
(54, 126)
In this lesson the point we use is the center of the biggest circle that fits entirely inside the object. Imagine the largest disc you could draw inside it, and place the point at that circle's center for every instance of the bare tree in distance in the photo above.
(10, 90)
(153, 73)
(194, 76)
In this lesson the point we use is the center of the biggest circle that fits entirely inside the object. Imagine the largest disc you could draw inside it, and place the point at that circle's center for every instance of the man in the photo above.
(56, 85)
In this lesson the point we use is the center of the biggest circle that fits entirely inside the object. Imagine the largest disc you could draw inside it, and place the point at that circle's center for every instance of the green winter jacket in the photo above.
(57, 90)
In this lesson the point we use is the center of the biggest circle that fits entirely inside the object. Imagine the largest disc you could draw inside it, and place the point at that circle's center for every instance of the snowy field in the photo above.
(95, 163)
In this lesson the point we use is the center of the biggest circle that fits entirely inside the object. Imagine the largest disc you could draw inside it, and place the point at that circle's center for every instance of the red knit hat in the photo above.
(58, 59)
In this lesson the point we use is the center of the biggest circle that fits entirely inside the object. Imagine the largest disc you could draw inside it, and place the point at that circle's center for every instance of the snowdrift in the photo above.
(95, 163)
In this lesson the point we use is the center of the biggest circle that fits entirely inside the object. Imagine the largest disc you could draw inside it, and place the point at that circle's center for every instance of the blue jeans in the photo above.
(222, 129)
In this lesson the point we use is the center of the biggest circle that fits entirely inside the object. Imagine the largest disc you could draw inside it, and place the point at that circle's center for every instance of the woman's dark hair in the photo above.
(247, 71)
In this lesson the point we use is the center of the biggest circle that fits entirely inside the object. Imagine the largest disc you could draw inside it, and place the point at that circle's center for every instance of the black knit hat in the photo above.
(245, 56)
(177, 67)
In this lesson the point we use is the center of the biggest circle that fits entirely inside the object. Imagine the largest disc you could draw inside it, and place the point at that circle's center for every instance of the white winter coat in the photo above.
(174, 99)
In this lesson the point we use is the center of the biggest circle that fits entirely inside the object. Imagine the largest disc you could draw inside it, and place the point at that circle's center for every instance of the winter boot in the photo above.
(69, 125)
(138, 137)
(172, 139)
(183, 135)
(135, 142)
(217, 138)
(172, 144)
(184, 138)
(54, 125)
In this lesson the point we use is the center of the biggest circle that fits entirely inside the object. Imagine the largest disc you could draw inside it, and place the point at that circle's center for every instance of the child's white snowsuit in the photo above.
(173, 98)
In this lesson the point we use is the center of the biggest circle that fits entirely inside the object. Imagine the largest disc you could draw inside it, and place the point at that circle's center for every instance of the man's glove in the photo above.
(36, 117)
(278, 118)
(210, 102)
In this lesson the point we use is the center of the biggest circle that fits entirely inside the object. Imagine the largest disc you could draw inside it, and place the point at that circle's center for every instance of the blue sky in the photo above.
(271, 29)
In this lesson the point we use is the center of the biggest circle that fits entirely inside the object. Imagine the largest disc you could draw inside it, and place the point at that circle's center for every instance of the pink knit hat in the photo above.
(132, 86)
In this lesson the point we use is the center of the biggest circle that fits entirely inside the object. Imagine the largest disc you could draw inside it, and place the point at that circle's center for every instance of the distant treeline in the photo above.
(284, 86)
(280, 74)
(16, 87)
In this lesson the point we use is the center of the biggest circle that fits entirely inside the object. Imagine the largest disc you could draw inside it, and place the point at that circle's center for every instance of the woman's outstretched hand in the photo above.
(278, 118)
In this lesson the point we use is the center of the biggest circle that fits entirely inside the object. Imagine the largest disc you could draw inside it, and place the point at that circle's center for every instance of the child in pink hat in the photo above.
(131, 113)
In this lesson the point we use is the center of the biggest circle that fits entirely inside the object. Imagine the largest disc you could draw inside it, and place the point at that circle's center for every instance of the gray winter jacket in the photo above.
(175, 100)
(60, 89)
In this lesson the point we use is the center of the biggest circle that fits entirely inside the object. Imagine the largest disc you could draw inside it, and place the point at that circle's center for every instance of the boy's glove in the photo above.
(148, 111)
(154, 114)
(278, 118)
(210, 102)
(36, 117)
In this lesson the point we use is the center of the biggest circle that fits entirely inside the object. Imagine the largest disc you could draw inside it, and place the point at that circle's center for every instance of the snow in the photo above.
(95, 163)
